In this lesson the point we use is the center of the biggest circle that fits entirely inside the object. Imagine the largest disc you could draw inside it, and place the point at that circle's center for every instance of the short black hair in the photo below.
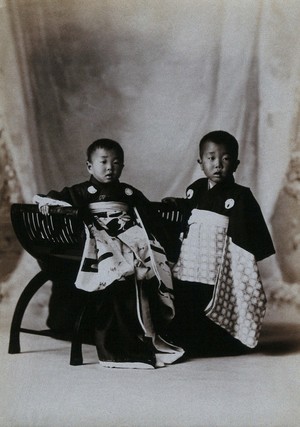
(106, 144)
(221, 137)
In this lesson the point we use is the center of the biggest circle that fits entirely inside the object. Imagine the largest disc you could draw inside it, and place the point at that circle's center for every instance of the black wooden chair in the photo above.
(56, 241)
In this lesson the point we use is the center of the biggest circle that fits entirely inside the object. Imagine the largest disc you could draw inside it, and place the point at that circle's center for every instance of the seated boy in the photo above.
(218, 290)
(122, 262)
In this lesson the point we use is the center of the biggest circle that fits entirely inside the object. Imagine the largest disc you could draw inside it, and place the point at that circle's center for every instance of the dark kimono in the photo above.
(224, 238)
(126, 267)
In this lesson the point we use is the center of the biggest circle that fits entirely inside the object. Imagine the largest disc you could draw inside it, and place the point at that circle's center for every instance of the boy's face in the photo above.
(217, 162)
(105, 165)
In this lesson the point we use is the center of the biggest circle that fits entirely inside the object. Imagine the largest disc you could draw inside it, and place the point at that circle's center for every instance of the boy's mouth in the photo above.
(218, 176)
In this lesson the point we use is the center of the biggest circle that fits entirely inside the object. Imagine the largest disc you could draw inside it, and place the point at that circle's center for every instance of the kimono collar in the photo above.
(99, 185)
(222, 185)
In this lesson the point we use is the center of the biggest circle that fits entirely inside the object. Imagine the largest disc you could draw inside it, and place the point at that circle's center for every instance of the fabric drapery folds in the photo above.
(239, 302)
(118, 246)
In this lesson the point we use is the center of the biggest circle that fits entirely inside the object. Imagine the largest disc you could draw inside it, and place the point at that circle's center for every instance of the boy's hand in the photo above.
(44, 209)
(44, 202)
(170, 200)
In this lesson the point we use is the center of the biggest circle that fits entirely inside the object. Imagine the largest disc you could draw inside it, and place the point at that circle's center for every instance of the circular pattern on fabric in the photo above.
(92, 190)
(229, 203)
(240, 303)
(189, 193)
(201, 254)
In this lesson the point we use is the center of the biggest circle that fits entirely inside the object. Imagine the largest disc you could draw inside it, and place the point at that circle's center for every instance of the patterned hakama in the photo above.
(131, 271)
(208, 255)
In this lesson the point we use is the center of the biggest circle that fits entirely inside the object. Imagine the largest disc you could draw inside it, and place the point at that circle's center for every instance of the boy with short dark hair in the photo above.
(122, 262)
(216, 276)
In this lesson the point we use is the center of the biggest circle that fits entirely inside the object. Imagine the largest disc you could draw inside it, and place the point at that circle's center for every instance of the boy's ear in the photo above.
(200, 162)
(89, 166)
(236, 165)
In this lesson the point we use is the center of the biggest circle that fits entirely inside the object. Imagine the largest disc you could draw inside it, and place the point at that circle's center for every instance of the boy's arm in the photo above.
(170, 200)
(189, 202)
(248, 229)
(65, 197)
(44, 202)
(77, 196)
(178, 202)
(184, 205)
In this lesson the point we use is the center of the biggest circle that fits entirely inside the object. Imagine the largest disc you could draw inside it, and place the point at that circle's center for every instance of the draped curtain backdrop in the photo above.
(156, 75)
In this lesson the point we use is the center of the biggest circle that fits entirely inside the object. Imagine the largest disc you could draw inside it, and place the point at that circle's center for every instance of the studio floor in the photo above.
(40, 389)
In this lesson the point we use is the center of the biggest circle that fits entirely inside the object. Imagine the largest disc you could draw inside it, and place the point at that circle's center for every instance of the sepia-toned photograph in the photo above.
(150, 213)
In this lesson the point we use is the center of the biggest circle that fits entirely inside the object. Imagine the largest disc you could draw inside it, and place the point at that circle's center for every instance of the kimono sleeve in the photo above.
(154, 225)
(65, 195)
(248, 229)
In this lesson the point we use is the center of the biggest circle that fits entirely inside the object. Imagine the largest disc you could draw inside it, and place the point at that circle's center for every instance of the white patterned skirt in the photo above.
(131, 271)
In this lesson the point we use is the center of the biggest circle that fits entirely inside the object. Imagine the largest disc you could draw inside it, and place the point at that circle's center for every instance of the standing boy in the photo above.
(217, 283)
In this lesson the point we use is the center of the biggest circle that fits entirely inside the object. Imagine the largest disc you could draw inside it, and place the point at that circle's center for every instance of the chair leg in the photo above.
(33, 286)
(76, 358)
